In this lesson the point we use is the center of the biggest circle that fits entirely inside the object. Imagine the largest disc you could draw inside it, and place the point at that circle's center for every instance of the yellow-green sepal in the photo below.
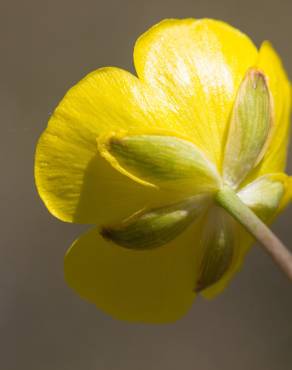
(161, 161)
(265, 194)
(218, 242)
(250, 128)
(153, 228)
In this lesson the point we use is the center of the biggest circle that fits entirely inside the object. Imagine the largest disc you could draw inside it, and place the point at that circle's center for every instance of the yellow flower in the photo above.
(142, 159)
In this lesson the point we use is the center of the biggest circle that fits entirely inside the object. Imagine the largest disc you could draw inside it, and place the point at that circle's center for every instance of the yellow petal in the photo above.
(287, 196)
(197, 67)
(270, 63)
(145, 286)
(75, 183)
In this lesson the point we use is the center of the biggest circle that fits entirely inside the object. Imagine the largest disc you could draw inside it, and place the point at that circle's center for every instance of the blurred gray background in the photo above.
(46, 46)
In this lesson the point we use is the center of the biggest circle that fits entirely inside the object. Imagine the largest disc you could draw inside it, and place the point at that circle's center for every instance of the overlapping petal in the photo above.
(73, 180)
(156, 285)
(271, 65)
(192, 64)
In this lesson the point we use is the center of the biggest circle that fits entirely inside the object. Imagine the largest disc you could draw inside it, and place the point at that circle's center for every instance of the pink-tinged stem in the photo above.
(228, 199)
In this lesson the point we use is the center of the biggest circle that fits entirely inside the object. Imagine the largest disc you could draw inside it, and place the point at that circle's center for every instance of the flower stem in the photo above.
(228, 199)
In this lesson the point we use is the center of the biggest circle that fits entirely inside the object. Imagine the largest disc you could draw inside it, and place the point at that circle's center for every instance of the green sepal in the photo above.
(250, 128)
(264, 195)
(156, 227)
(161, 161)
(217, 249)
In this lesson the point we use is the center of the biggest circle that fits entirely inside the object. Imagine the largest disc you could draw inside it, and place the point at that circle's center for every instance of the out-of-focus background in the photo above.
(46, 46)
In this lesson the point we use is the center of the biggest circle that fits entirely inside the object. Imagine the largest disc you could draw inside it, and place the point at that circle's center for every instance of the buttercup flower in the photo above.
(150, 159)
